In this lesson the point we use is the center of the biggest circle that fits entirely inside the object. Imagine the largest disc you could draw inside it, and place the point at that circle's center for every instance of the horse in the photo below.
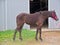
(37, 18)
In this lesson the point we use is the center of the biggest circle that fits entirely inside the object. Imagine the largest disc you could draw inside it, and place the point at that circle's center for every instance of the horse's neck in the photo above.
(46, 14)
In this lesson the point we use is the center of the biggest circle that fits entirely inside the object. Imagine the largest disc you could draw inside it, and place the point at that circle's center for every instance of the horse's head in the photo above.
(54, 16)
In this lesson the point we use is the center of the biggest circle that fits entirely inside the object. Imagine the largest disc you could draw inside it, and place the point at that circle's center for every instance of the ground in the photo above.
(49, 38)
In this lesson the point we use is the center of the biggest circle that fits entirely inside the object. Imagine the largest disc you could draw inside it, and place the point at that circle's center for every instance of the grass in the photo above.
(8, 35)
(49, 38)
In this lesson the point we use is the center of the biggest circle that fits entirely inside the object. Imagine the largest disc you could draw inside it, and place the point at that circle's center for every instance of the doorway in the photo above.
(39, 5)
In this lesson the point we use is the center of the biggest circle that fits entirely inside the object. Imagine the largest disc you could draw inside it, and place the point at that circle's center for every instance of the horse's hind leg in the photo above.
(15, 34)
(20, 37)
(19, 28)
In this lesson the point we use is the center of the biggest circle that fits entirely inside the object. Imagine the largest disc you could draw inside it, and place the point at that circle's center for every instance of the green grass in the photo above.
(8, 35)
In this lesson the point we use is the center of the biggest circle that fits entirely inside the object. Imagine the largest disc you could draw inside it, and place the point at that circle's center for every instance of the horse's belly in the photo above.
(31, 22)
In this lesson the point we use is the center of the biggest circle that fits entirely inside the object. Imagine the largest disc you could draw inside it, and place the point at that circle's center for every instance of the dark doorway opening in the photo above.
(39, 5)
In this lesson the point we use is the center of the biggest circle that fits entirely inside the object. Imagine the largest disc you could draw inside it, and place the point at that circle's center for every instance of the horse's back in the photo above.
(32, 18)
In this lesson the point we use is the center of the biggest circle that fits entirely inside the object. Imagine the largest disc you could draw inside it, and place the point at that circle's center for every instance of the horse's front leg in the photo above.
(40, 33)
(36, 35)
(39, 28)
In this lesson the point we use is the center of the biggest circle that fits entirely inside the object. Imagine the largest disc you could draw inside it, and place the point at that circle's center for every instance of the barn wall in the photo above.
(2, 15)
(54, 5)
(9, 10)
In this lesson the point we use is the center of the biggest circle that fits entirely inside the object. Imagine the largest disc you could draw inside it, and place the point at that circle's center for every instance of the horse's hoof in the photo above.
(21, 39)
(41, 39)
(13, 39)
(36, 39)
